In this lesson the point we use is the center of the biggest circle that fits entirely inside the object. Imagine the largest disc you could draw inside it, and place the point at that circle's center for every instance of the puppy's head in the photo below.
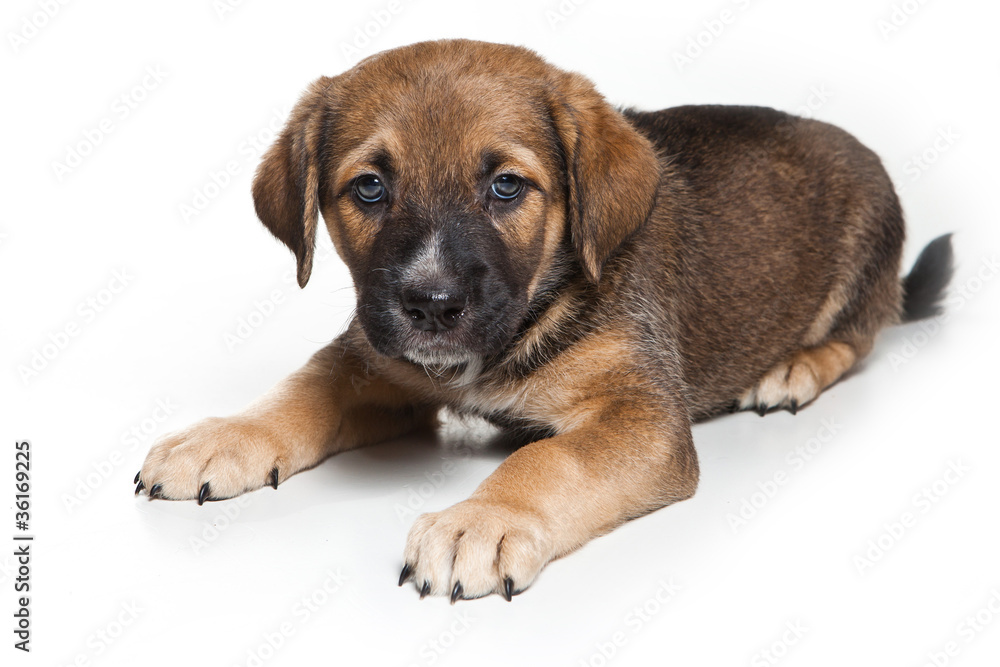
(452, 177)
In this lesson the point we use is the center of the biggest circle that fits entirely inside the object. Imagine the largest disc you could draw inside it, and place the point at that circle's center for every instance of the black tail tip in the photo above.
(924, 287)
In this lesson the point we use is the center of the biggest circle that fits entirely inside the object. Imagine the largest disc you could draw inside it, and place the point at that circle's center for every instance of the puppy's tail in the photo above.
(924, 287)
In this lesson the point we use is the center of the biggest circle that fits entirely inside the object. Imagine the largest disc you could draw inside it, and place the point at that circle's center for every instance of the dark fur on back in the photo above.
(765, 215)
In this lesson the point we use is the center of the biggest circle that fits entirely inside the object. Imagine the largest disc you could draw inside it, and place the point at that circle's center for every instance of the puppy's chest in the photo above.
(511, 409)
(531, 402)
(542, 400)
(495, 397)
(552, 393)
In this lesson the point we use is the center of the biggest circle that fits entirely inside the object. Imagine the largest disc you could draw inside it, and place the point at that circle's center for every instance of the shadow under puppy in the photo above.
(590, 278)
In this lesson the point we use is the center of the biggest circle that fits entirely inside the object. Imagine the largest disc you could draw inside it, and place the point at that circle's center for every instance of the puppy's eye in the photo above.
(507, 186)
(369, 189)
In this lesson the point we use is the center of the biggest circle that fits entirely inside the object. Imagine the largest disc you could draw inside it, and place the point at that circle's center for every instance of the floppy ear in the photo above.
(286, 186)
(612, 172)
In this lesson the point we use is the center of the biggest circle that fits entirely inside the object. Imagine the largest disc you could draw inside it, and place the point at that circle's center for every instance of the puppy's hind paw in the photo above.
(797, 381)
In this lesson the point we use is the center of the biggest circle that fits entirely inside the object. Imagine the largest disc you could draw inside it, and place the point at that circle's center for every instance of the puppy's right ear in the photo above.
(286, 186)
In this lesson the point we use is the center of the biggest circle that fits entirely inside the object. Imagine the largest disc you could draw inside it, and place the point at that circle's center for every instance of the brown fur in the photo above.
(675, 264)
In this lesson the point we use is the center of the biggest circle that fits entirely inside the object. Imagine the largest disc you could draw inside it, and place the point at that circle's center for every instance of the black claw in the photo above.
(793, 407)
(203, 494)
(139, 487)
(425, 589)
(734, 407)
(154, 491)
(762, 410)
(405, 574)
(456, 592)
(274, 478)
(136, 480)
(508, 588)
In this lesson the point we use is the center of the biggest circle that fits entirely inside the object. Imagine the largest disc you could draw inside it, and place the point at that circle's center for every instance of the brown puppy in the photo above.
(589, 278)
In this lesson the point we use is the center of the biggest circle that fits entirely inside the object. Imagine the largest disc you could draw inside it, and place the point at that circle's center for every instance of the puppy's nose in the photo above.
(431, 310)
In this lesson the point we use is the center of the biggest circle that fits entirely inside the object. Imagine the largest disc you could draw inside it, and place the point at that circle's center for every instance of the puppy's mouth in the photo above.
(441, 361)
(437, 351)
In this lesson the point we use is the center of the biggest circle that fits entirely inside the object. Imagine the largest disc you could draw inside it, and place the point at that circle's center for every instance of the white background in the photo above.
(166, 583)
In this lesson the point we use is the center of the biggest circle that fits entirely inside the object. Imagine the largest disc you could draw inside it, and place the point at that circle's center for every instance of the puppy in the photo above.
(592, 280)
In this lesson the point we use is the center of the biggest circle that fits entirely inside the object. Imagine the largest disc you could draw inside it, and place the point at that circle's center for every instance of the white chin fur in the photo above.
(438, 360)
(454, 368)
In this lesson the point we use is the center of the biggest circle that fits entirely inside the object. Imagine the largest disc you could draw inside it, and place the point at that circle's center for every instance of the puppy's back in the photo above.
(774, 220)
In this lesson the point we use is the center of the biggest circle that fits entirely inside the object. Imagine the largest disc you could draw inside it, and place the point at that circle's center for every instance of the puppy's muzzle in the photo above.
(435, 310)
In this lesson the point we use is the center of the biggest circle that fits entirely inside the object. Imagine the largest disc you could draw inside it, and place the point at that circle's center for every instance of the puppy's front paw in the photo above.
(476, 548)
(213, 460)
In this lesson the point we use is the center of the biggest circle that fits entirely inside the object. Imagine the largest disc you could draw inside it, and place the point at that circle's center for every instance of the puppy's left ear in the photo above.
(286, 186)
(612, 172)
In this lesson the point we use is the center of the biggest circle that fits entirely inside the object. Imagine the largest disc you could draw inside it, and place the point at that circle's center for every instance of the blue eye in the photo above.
(369, 189)
(507, 186)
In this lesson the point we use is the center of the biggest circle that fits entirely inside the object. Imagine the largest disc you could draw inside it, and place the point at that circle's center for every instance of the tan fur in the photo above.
(828, 312)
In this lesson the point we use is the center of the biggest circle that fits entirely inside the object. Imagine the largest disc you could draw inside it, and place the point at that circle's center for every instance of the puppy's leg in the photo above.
(625, 456)
(841, 336)
(799, 379)
(867, 298)
(333, 403)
